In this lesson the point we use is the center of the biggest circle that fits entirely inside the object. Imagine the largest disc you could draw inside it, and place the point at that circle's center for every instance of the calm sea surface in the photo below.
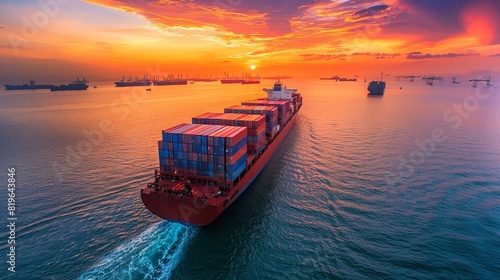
(403, 186)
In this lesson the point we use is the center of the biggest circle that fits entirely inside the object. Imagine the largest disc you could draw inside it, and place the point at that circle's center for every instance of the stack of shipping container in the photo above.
(217, 145)
(270, 112)
(204, 150)
(256, 125)
(296, 101)
(283, 106)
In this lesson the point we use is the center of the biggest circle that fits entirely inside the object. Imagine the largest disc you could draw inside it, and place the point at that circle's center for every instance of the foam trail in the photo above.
(152, 255)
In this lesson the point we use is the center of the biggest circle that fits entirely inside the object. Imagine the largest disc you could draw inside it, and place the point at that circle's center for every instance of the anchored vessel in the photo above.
(249, 79)
(31, 85)
(170, 81)
(74, 85)
(231, 79)
(377, 87)
(137, 83)
(205, 166)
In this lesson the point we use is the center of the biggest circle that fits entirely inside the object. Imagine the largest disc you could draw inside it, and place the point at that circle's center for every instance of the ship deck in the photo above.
(200, 193)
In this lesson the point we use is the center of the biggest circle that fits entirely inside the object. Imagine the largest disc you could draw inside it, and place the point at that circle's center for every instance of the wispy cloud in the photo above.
(420, 55)
(345, 56)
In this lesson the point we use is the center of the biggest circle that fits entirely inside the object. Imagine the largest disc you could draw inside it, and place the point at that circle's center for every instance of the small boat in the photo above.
(95, 86)
(148, 89)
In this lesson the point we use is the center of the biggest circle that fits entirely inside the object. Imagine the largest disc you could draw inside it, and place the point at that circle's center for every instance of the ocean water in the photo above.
(400, 186)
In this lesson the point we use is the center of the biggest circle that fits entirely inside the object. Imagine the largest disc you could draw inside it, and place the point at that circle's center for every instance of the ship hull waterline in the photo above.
(193, 213)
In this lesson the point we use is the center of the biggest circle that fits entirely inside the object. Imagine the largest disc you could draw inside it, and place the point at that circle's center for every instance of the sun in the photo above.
(252, 67)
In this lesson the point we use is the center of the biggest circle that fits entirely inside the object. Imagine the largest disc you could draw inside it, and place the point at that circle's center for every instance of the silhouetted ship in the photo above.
(206, 79)
(377, 87)
(249, 79)
(347, 80)
(282, 77)
(31, 85)
(331, 78)
(137, 83)
(74, 85)
(169, 81)
(231, 80)
(339, 79)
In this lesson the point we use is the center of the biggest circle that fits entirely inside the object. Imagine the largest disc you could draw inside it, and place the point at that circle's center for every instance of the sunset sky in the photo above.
(111, 38)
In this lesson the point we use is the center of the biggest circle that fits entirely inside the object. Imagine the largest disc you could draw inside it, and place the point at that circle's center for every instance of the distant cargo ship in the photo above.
(31, 85)
(206, 79)
(331, 78)
(246, 82)
(249, 79)
(206, 166)
(129, 83)
(377, 87)
(281, 77)
(169, 81)
(347, 80)
(231, 79)
(339, 79)
(74, 85)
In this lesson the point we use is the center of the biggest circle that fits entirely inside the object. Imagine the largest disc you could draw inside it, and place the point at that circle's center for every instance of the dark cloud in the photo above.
(495, 55)
(419, 55)
(368, 13)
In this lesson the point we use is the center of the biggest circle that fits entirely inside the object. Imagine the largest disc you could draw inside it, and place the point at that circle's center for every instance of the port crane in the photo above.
(411, 78)
(486, 79)
(430, 79)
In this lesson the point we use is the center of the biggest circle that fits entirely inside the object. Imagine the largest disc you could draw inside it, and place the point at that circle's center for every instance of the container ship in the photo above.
(137, 83)
(279, 77)
(31, 85)
(249, 79)
(336, 77)
(170, 81)
(347, 80)
(376, 87)
(74, 85)
(206, 165)
(339, 79)
(231, 80)
(206, 79)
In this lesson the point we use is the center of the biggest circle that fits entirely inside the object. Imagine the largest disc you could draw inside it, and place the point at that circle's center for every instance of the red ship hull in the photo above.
(202, 211)
(231, 81)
